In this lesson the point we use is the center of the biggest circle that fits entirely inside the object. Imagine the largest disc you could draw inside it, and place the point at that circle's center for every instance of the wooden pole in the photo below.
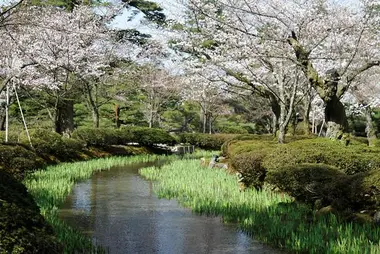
(22, 116)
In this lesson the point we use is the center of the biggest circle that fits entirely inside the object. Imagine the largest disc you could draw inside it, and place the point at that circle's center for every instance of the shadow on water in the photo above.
(120, 211)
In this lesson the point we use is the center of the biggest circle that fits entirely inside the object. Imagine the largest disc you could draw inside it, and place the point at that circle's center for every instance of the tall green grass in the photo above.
(267, 216)
(52, 185)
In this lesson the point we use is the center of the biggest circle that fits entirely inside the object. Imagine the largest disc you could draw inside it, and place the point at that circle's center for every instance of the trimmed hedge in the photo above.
(328, 186)
(311, 170)
(148, 136)
(101, 137)
(310, 182)
(350, 159)
(47, 143)
(206, 141)
(17, 159)
(22, 227)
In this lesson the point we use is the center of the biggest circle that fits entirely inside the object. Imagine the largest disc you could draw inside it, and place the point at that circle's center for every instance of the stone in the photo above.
(376, 218)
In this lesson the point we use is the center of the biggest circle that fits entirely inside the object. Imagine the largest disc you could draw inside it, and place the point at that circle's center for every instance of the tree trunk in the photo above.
(95, 117)
(64, 122)
(327, 88)
(117, 115)
(306, 116)
(210, 123)
(2, 122)
(276, 109)
(281, 134)
(335, 117)
(204, 121)
(371, 134)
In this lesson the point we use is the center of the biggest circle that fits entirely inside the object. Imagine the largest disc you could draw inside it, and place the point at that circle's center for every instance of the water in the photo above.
(120, 211)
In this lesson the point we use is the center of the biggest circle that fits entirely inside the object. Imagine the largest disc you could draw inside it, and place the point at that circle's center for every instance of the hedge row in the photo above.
(141, 135)
(312, 170)
(207, 141)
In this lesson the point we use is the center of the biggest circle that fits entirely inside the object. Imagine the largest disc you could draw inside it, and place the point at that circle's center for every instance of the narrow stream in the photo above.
(120, 211)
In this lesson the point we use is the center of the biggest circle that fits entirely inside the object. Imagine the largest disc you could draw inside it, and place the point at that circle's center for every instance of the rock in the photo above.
(376, 218)
(325, 211)
(203, 162)
(362, 218)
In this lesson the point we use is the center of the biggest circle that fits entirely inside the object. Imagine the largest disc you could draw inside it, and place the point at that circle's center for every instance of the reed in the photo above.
(270, 217)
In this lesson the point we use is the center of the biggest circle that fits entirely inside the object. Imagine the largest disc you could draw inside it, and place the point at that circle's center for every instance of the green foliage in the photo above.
(205, 141)
(233, 129)
(310, 182)
(249, 165)
(97, 136)
(209, 44)
(246, 143)
(269, 217)
(47, 143)
(349, 159)
(148, 136)
(22, 228)
(102, 137)
(328, 185)
(17, 159)
(151, 9)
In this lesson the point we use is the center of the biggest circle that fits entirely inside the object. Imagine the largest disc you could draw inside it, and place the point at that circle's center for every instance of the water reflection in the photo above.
(119, 210)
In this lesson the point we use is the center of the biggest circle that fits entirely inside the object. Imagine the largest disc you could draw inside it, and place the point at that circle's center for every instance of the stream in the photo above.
(119, 211)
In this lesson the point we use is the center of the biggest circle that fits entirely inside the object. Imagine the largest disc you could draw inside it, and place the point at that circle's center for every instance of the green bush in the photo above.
(232, 129)
(350, 159)
(22, 228)
(311, 182)
(97, 136)
(17, 159)
(148, 136)
(44, 141)
(206, 141)
(249, 165)
(13, 136)
(47, 143)
(246, 143)
(102, 137)
(329, 186)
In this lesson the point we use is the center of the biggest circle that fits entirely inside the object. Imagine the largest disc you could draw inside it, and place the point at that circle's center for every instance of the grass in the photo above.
(51, 186)
(267, 216)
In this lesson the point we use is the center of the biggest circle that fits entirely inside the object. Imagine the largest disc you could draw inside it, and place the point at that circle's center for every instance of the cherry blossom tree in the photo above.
(55, 51)
(365, 95)
(330, 43)
(158, 89)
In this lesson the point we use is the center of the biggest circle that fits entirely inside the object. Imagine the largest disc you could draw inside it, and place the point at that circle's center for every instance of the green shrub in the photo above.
(22, 228)
(13, 136)
(311, 182)
(329, 186)
(102, 137)
(232, 129)
(17, 159)
(44, 141)
(97, 136)
(148, 136)
(242, 141)
(249, 165)
(70, 148)
(350, 159)
(206, 141)
(47, 143)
